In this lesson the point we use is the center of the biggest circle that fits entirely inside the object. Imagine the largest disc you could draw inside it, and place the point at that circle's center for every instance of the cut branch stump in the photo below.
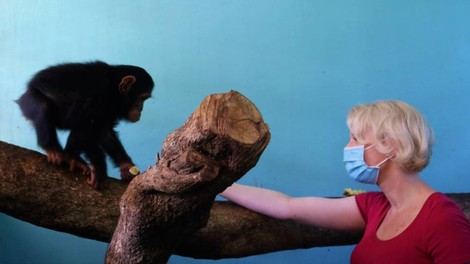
(164, 206)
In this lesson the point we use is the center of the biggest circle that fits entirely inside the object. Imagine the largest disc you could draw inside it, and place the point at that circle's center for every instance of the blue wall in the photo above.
(303, 63)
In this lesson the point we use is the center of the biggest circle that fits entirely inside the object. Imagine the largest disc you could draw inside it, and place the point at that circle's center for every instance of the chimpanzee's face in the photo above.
(134, 113)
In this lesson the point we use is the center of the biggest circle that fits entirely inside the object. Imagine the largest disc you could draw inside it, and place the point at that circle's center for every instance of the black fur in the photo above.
(86, 99)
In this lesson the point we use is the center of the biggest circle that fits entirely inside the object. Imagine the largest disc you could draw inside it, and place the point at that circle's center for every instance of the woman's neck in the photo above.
(404, 189)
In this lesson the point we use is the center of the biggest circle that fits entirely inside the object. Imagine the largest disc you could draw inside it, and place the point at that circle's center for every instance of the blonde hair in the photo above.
(394, 125)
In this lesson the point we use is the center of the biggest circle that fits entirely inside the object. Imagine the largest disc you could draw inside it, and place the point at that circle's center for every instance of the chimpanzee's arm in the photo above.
(111, 144)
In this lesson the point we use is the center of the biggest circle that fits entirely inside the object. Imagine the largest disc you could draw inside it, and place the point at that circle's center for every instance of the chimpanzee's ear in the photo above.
(126, 84)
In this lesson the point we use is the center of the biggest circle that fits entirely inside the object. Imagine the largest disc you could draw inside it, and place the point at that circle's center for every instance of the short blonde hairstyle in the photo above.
(397, 125)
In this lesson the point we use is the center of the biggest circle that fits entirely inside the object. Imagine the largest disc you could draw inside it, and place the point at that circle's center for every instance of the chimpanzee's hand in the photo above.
(128, 171)
(55, 156)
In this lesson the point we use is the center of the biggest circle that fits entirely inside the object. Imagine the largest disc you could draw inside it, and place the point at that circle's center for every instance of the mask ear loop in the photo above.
(387, 158)
(368, 147)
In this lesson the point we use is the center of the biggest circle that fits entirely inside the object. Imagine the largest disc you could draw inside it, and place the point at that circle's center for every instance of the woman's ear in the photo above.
(389, 147)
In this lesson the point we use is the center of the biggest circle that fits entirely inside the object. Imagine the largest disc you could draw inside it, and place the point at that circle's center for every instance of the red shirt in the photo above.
(440, 233)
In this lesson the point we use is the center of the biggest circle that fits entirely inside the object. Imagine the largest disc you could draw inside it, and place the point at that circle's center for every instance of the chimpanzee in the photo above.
(89, 99)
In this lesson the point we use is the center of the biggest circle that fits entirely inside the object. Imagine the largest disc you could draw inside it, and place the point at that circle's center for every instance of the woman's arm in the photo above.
(334, 213)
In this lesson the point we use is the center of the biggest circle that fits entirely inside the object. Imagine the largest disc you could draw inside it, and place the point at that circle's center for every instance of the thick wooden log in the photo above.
(161, 208)
(54, 198)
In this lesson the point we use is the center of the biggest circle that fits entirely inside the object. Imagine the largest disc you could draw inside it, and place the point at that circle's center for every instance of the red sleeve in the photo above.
(449, 232)
(370, 201)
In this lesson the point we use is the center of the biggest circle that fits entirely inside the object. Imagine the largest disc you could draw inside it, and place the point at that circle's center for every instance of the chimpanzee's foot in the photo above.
(78, 163)
(94, 180)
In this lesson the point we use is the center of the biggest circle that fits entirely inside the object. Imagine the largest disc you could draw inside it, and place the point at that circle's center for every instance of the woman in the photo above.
(408, 221)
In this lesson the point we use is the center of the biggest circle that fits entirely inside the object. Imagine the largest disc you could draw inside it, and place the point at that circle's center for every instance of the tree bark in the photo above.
(55, 198)
(161, 208)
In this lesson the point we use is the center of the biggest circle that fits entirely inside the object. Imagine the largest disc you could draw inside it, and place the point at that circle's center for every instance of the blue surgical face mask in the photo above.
(357, 168)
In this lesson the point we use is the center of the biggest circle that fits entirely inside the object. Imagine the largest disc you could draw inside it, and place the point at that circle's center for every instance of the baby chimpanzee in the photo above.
(89, 99)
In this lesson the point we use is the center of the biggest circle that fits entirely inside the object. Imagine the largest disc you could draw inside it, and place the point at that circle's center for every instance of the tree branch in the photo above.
(55, 198)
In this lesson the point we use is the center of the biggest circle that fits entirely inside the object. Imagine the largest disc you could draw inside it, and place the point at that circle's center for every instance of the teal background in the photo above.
(303, 64)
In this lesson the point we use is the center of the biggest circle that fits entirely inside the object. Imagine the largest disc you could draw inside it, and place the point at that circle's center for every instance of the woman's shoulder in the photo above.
(446, 228)
(440, 201)
(442, 213)
(439, 205)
